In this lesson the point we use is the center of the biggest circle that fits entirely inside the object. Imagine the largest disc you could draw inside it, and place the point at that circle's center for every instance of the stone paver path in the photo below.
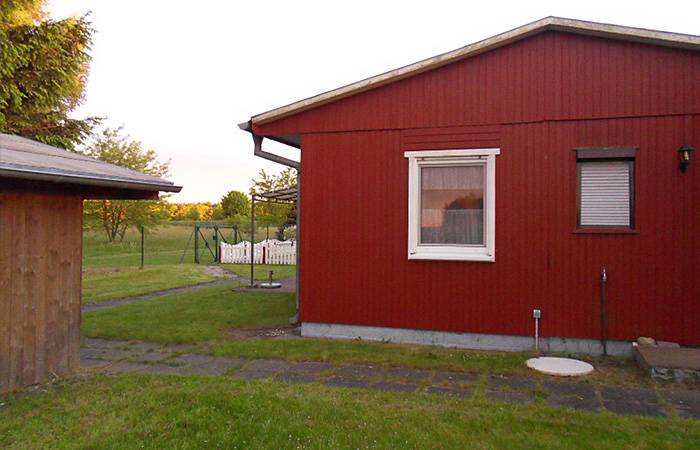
(182, 359)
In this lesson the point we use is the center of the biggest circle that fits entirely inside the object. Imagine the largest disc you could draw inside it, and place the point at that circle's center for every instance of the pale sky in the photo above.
(181, 74)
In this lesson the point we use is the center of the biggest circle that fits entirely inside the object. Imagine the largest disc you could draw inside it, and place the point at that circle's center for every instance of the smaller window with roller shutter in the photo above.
(606, 188)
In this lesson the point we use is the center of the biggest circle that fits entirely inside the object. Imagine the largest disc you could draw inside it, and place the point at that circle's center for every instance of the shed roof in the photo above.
(661, 38)
(23, 159)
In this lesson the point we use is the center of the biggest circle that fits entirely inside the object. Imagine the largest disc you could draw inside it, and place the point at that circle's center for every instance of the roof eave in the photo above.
(662, 38)
(88, 181)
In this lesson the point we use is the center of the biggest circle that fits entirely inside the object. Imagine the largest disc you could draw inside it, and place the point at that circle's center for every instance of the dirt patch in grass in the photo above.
(262, 271)
(218, 272)
(608, 370)
(263, 333)
(88, 271)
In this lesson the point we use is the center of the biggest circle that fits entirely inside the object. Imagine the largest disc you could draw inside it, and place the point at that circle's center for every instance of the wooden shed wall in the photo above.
(40, 282)
(537, 100)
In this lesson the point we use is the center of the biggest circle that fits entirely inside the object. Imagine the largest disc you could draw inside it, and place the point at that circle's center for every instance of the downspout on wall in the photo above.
(258, 151)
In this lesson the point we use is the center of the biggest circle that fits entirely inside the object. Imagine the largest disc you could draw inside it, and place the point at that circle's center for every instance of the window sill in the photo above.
(605, 231)
(435, 256)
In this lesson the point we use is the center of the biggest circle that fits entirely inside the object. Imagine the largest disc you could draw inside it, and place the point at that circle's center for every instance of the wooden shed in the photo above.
(42, 189)
(540, 172)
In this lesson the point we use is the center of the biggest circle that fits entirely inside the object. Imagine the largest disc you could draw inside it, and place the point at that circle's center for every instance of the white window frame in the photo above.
(458, 157)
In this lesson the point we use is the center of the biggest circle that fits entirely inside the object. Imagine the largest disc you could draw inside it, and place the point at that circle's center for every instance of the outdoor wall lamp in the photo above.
(686, 152)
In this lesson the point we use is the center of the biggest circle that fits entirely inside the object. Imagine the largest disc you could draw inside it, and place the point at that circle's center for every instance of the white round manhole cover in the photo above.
(564, 367)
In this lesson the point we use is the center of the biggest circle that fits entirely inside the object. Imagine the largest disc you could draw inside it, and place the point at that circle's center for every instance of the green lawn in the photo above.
(158, 411)
(100, 284)
(141, 411)
(190, 317)
(204, 317)
(163, 245)
(346, 351)
(262, 271)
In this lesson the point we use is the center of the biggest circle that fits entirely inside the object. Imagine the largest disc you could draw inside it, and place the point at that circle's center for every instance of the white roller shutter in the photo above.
(605, 193)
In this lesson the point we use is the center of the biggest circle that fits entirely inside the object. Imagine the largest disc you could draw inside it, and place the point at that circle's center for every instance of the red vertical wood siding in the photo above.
(551, 76)
(537, 100)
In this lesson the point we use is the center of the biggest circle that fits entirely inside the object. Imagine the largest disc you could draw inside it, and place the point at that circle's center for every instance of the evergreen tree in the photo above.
(43, 71)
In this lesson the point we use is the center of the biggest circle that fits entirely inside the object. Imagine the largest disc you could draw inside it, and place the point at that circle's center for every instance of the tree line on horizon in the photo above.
(115, 217)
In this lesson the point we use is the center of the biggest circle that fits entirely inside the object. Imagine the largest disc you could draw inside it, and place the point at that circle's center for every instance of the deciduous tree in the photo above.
(235, 203)
(116, 216)
(280, 215)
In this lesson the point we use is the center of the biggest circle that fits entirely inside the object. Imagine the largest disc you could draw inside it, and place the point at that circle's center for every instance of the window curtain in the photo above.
(452, 205)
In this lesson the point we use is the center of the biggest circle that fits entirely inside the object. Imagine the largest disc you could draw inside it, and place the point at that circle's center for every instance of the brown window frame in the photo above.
(605, 154)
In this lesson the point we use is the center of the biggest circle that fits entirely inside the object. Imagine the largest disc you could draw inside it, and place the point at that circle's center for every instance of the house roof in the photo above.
(609, 31)
(28, 160)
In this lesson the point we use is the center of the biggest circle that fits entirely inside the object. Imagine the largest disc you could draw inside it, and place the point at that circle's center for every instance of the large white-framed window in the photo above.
(452, 204)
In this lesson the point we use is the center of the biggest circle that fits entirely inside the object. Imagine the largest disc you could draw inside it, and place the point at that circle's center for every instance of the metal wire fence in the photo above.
(170, 243)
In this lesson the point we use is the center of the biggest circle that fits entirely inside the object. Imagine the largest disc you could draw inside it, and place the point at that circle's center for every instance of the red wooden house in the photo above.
(444, 201)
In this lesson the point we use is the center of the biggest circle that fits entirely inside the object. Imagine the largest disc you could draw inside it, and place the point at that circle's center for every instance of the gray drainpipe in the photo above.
(258, 151)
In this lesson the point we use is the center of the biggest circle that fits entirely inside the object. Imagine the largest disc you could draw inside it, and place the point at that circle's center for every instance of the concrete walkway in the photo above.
(124, 356)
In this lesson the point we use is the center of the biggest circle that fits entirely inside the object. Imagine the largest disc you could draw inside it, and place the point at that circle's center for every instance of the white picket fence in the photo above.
(270, 251)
